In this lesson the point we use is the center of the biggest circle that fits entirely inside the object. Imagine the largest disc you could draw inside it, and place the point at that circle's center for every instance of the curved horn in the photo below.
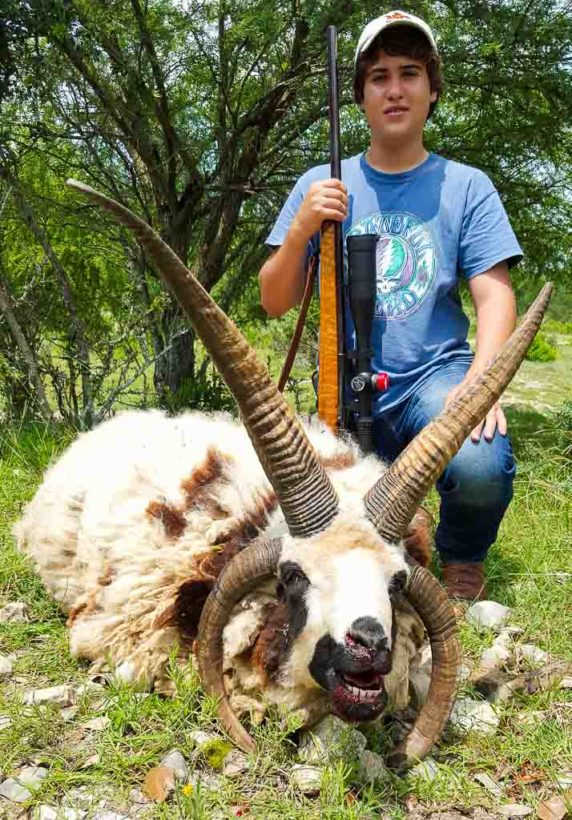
(255, 564)
(391, 502)
(305, 493)
(433, 606)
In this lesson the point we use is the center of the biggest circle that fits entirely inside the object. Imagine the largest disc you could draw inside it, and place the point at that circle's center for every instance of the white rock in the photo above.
(15, 612)
(565, 683)
(372, 768)
(496, 656)
(89, 689)
(137, 796)
(59, 695)
(511, 631)
(69, 713)
(175, 761)
(45, 812)
(488, 615)
(564, 779)
(489, 784)
(109, 815)
(427, 770)
(420, 680)
(96, 724)
(92, 760)
(17, 788)
(14, 791)
(464, 672)
(530, 654)
(474, 715)
(331, 740)
(6, 667)
(514, 810)
(235, 764)
(31, 776)
(198, 737)
(5, 721)
(80, 799)
(307, 779)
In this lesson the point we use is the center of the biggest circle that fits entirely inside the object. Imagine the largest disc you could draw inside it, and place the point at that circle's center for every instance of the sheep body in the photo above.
(128, 526)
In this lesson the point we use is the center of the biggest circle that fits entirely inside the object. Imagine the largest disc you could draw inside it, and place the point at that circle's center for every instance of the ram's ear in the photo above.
(185, 611)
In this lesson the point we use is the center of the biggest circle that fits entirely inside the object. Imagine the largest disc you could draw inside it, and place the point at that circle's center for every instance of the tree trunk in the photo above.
(175, 370)
(26, 353)
(79, 348)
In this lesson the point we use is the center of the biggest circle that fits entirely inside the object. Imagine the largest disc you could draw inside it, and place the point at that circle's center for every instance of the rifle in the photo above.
(340, 369)
(331, 404)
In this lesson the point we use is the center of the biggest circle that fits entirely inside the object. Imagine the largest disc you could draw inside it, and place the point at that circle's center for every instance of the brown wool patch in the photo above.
(84, 609)
(272, 643)
(246, 529)
(172, 519)
(339, 461)
(193, 593)
(212, 470)
(106, 577)
(188, 606)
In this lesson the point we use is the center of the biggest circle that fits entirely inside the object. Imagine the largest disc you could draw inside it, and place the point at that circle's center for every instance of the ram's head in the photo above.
(342, 561)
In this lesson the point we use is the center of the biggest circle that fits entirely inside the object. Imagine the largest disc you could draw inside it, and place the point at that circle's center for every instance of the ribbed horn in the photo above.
(433, 606)
(391, 502)
(305, 493)
(251, 567)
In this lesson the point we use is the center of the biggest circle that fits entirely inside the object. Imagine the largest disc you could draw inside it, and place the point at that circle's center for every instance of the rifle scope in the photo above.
(362, 296)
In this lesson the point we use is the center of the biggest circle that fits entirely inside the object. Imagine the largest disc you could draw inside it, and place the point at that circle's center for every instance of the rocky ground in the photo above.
(507, 669)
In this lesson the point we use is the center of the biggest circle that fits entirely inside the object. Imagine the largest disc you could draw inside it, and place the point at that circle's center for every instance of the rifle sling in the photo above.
(297, 335)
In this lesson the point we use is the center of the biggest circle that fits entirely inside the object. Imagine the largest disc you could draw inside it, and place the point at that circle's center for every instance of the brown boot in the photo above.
(465, 581)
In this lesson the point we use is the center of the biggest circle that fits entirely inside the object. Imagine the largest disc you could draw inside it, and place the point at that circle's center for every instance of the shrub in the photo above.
(555, 326)
(541, 350)
(561, 424)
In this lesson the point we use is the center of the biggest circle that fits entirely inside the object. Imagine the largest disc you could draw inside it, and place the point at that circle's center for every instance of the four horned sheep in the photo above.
(275, 552)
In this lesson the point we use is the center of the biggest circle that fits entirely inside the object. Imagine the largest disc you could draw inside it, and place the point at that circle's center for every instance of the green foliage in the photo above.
(560, 424)
(556, 326)
(215, 752)
(207, 393)
(541, 350)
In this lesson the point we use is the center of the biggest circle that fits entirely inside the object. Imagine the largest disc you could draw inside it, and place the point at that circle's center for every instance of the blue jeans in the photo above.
(476, 487)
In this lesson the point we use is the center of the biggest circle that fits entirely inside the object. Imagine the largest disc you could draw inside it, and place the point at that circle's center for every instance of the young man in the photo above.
(437, 221)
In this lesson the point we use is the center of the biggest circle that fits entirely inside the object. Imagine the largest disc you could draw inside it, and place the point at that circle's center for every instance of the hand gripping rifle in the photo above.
(346, 384)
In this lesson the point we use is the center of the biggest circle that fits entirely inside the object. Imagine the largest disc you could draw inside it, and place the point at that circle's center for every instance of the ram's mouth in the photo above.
(363, 685)
(359, 696)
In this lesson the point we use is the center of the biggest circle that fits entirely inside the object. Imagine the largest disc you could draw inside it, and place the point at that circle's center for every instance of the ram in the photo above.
(275, 552)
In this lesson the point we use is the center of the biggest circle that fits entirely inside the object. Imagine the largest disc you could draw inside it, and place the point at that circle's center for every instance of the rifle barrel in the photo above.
(336, 172)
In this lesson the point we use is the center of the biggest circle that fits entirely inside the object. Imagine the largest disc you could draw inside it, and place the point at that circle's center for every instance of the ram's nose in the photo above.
(367, 633)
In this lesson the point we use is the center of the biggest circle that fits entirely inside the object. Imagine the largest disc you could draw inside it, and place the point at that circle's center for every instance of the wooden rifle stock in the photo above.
(332, 331)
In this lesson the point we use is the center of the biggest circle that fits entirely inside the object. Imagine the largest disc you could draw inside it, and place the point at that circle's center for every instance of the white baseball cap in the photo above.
(392, 18)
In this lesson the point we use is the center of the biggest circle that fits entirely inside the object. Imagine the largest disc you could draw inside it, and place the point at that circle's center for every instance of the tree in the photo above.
(200, 115)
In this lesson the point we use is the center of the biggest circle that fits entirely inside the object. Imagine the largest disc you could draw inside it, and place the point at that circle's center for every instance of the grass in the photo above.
(534, 545)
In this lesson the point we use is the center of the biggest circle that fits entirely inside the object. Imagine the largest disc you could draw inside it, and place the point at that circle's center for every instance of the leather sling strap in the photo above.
(297, 335)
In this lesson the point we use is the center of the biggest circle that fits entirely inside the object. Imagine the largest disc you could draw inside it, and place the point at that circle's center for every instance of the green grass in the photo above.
(534, 544)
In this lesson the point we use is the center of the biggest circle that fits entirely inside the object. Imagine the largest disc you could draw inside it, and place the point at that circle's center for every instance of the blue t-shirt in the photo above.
(435, 223)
